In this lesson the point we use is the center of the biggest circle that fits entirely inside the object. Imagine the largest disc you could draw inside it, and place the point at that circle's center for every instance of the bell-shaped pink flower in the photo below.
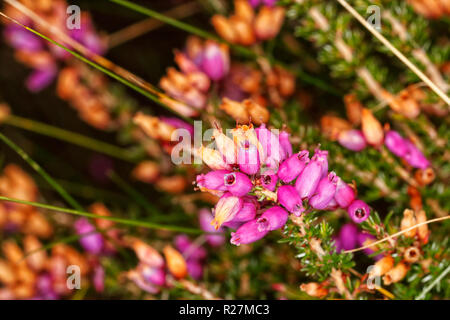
(90, 240)
(358, 211)
(293, 166)
(285, 143)
(213, 180)
(270, 142)
(344, 195)
(353, 140)
(248, 210)
(309, 178)
(215, 60)
(289, 198)
(248, 158)
(195, 268)
(156, 276)
(247, 233)
(348, 236)
(272, 219)
(238, 184)
(325, 192)
(98, 278)
(322, 157)
(396, 143)
(269, 180)
(415, 157)
(226, 209)
(205, 219)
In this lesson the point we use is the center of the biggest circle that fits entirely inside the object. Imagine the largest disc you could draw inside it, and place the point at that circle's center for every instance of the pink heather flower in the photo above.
(238, 184)
(396, 143)
(178, 123)
(270, 143)
(185, 246)
(348, 236)
(215, 60)
(248, 210)
(226, 209)
(344, 195)
(353, 140)
(269, 180)
(40, 79)
(309, 178)
(153, 275)
(205, 219)
(358, 211)
(22, 39)
(321, 156)
(98, 278)
(195, 269)
(289, 198)
(325, 192)
(293, 166)
(247, 233)
(213, 180)
(248, 158)
(415, 157)
(93, 242)
(272, 219)
(285, 143)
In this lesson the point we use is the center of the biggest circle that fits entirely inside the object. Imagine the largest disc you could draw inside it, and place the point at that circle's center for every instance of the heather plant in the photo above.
(292, 149)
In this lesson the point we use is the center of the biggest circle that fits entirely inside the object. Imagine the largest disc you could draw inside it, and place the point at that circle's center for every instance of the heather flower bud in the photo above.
(154, 127)
(237, 183)
(371, 127)
(226, 209)
(344, 195)
(269, 180)
(358, 211)
(272, 219)
(424, 176)
(407, 222)
(325, 192)
(244, 31)
(382, 266)
(396, 274)
(415, 157)
(309, 178)
(215, 60)
(248, 158)
(247, 233)
(396, 143)
(353, 140)
(285, 143)
(146, 171)
(213, 180)
(289, 198)
(175, 262)
(93, 241)
(293, 166)
(321, 156)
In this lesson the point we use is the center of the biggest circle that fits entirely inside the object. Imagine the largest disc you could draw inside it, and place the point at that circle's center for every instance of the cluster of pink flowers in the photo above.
(350, 237)
(260, 181)
(42, 57)
(354, 140)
